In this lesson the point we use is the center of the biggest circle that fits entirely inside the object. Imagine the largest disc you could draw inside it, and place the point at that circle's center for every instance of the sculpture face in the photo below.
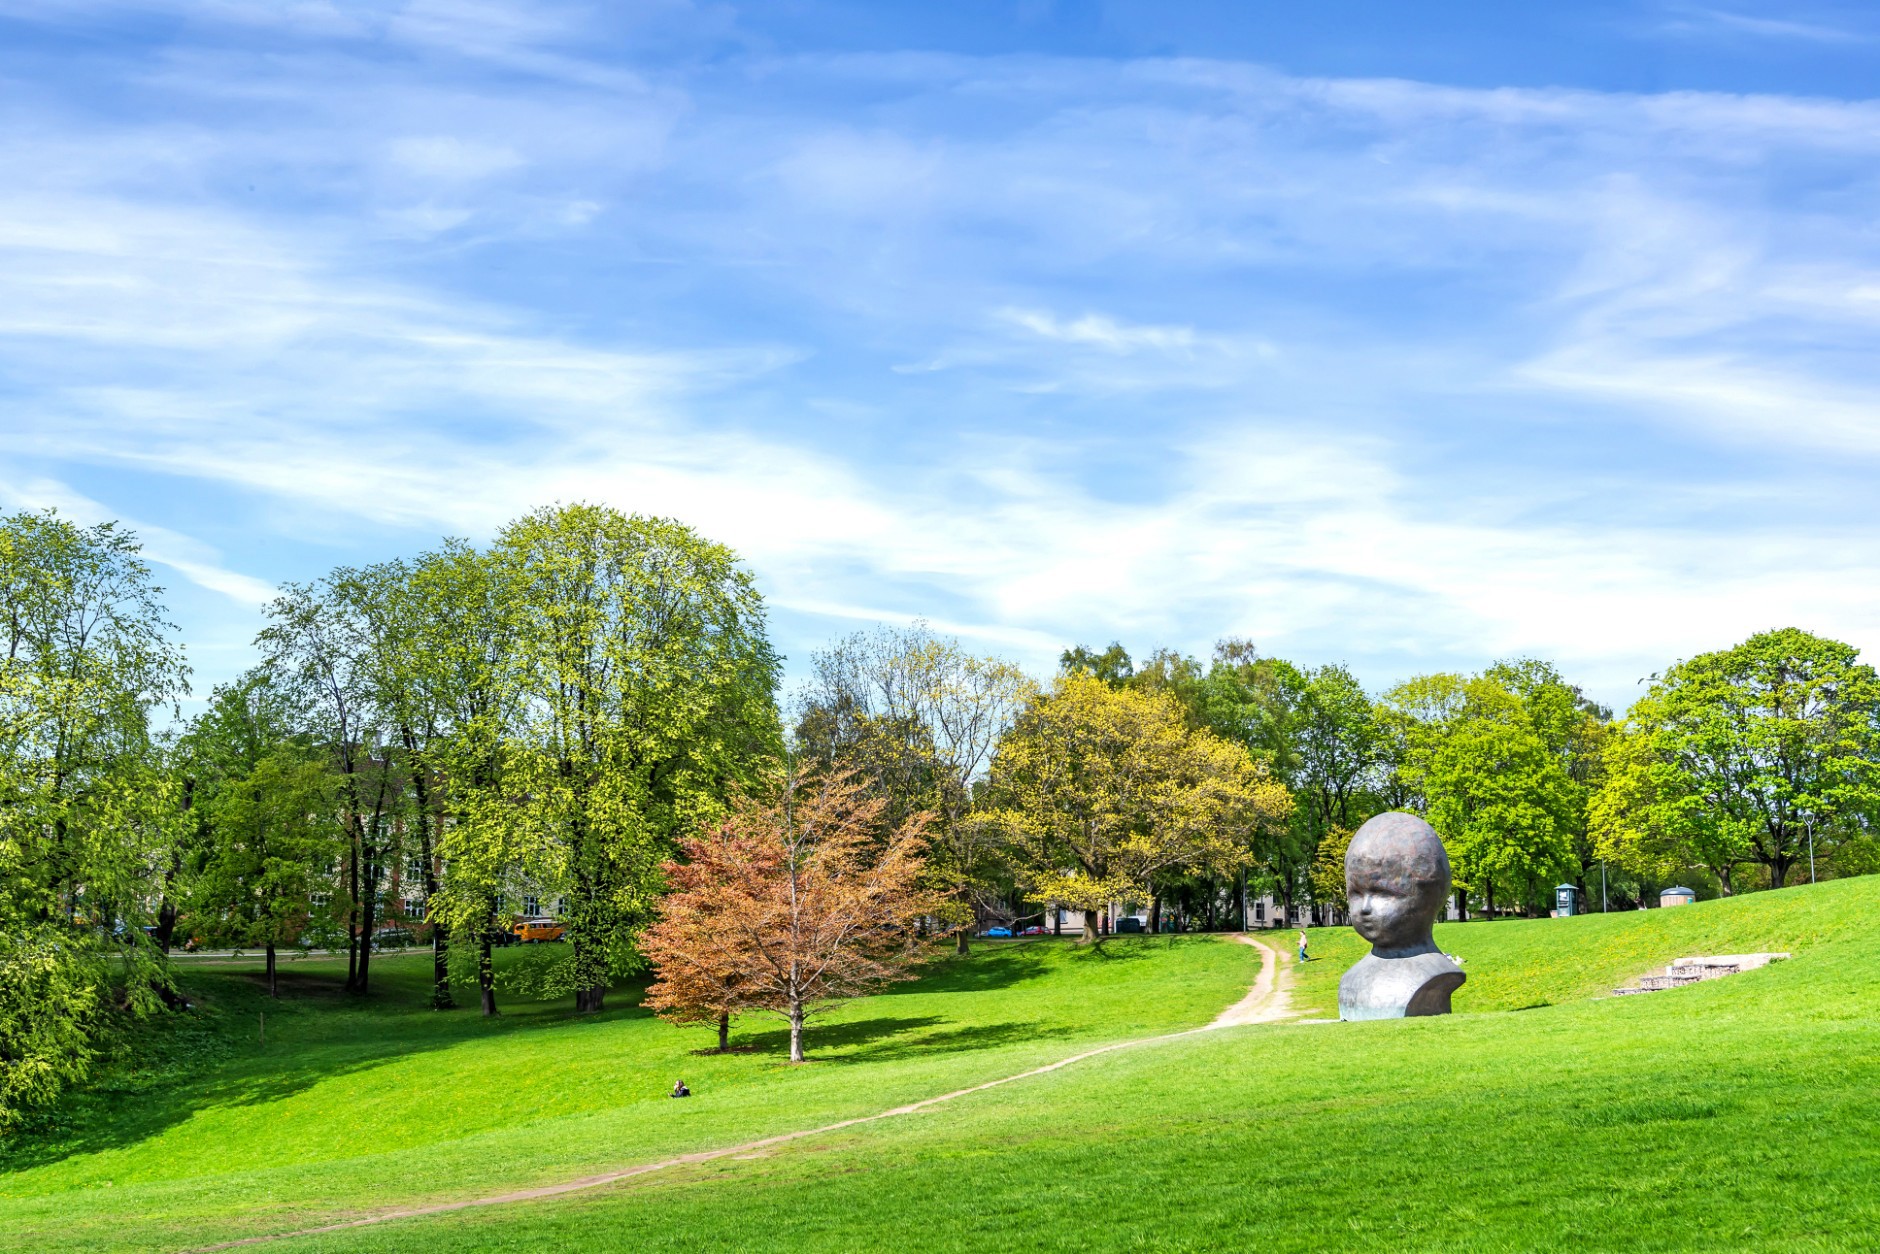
(1396, 880)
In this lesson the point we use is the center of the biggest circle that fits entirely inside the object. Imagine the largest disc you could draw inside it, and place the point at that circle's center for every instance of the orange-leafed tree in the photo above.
(789, 906)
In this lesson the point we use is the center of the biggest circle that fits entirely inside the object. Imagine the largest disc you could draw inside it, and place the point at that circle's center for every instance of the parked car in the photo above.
(536, 931)
(1033, 930)
(1002, 933)
(1127, 924)
(392, 938)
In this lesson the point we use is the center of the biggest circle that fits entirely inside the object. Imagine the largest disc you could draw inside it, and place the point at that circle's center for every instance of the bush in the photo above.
(50, 1009)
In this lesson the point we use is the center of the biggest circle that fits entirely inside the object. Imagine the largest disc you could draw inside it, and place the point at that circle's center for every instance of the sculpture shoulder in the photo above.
(1391, 988)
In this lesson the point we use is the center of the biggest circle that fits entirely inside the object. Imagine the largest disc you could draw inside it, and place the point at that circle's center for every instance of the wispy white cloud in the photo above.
(190, 558)
(1107, 334)
(1697, 19)
(1044, 350)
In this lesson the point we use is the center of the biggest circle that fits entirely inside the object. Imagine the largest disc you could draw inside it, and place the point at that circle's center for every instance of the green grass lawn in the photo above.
(352, 1106)
(1737, 1114)
(1521, 964)
(1733, 1114)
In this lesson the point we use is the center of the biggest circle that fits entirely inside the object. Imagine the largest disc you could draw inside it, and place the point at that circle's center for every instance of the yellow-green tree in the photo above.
(86, 810)
(1100, 788)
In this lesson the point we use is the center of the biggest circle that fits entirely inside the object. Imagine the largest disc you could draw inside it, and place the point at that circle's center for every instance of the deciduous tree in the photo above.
(1770, 749)
(790, 906)
(916, 717)
(1101, 788)
(86, 808)
(648, 687)
(266, 800)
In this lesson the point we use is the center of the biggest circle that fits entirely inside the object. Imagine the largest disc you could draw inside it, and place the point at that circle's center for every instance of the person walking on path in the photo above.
(1302, 944)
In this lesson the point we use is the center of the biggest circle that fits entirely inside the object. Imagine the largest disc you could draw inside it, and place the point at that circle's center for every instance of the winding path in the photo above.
(1266, 1002)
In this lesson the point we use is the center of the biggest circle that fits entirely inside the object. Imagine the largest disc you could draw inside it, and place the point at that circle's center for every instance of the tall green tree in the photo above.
(1319, 732)
(1769, 751)
(321, 647)
(266, 801)
(467, 667)
(648, 684)
(87, 810)
(1473, 754)
(1577, 732)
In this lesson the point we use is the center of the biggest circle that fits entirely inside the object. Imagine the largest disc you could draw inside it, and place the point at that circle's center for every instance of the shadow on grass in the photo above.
(886, 1039)
(1001, 964)
(179, 1064)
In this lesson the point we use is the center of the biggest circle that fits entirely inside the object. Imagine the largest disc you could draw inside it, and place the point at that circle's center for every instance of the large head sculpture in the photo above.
(1397, 881)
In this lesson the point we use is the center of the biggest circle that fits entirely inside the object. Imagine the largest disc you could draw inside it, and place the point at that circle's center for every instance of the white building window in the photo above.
(531, 907)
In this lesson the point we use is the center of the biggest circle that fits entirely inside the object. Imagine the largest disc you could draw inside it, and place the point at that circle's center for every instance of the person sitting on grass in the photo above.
(680, 1090)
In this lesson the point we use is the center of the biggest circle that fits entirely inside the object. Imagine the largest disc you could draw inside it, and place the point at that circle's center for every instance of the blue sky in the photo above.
(1408, 336)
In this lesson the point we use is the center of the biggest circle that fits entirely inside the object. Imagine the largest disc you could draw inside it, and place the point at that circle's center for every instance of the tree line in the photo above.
(583, 719)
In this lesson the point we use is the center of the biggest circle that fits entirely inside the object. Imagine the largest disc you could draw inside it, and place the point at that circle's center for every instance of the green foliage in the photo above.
(267, 814)
(917, 718)
(50, 1013)
(1101, 789)
(1112, 666)
(647, 684)
(1322, 737)
(1768, 752)
(1503, 765)
(85, 807)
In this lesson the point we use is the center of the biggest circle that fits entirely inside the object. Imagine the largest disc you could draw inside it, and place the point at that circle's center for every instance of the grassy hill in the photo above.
(1733, 1114)
(354, 1105)
(1519, 964)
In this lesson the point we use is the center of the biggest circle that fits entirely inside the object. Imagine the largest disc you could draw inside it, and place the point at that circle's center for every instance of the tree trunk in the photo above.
(368, 904)
(592, 999)
(1155, 913)
(440, 966)
(1240, 900)
(352, 916)
(274, 989)
(724, 1031)
(1462, 904)
(440, 936)
(1488, 898)
(166, 911)
(1723, 878)
(796, 1031)
(1057, 920)
(962, 944)
(486, 975)
(1090, 936)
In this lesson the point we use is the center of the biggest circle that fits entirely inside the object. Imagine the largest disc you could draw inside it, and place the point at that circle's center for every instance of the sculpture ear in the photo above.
(1433, 997)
